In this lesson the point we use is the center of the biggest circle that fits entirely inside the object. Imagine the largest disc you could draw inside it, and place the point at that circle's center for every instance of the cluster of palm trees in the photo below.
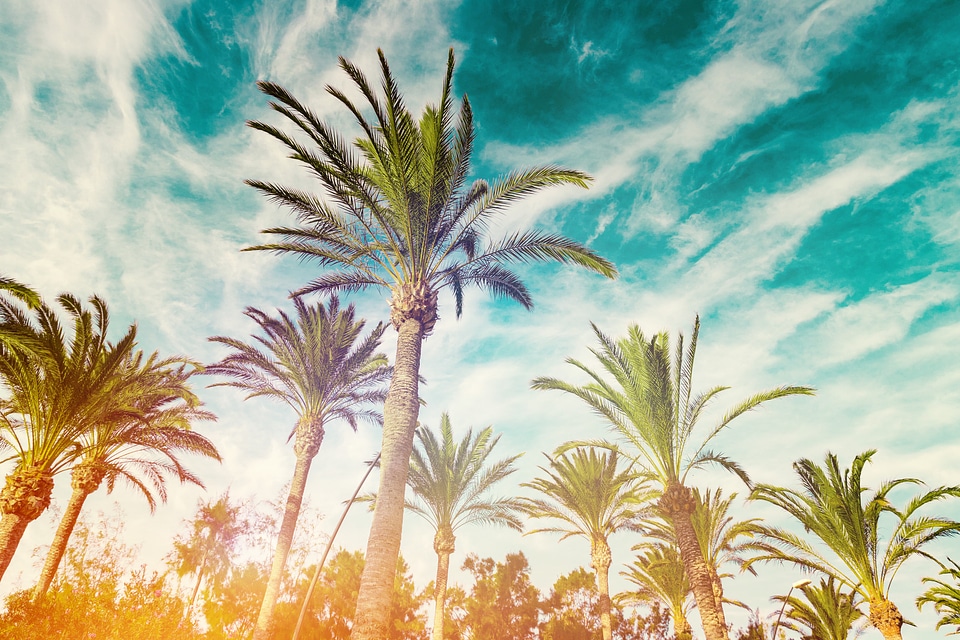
(399, 213)
(73, 400)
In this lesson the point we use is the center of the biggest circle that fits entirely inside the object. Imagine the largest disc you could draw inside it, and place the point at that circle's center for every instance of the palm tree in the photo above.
(828, 613)
(320, 366)
(140, 444)
(398, 214)
(651, 406)
(450, 482)
(585, 491)
(944, 597)
(658, 576)
(57, 387)
(832, 507)
(216, 531)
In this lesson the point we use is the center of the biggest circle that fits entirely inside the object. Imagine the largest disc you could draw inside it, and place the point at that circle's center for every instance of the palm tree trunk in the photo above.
(25, 496)
(885, 616)
(85, 479)
(440, 595)
(681, 627)
(12, 527)
(60, 540)
(600, 559)
(196, 586)
(263, 630)
(400, 413)
(678, 503)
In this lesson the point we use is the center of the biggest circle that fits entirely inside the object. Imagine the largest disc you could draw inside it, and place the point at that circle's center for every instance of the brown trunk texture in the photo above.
(264, 627)
(25, 496)
(444, 544)
(400, 413)
(84, 483)
(677, 504)
(601, 559)
(885, 616)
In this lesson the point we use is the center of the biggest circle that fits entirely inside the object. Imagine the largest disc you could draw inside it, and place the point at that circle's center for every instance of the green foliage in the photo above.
(331, 610)
(945, 597)
(837, 510)
(645, 392)
(96, 598)
(825, 612)
(588, 495)
(401, 211)
(572, 612)
(503, 603)
(450, 480)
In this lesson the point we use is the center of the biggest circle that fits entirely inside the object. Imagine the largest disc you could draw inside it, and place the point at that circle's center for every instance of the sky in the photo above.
(788, 171)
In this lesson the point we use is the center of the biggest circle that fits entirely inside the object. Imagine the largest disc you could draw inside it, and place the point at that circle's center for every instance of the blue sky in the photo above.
(789, 171)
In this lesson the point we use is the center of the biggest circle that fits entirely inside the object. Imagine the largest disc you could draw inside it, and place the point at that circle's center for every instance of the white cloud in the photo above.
(881, 319)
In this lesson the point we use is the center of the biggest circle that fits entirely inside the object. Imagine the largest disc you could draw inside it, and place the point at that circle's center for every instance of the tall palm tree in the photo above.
(826, 611)
(56, 388)
(944, 597)
(657, 575)
(833, 506)
(318, 364)
(399, 214)
(450, 483)
(586, 492)
(139, 444)
(651, 406)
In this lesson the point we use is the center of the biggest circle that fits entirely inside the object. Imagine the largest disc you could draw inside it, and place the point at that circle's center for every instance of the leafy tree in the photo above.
(591, 498)
(330, 614)
(57, 387)
(503, 602)
(319, 365)
(450, 483)
(98, 597)
(572, 610)
(944, 597)
(216, 532)
(398, 214)
(834, 507)
(658, 578)
(826, 612)
(650, 404)
(139, 445)
(233, 602)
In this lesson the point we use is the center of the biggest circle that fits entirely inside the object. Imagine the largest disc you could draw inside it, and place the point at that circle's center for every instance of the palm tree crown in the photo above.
(657, 575)
(832, 507)
(401, 214)
(313, 363)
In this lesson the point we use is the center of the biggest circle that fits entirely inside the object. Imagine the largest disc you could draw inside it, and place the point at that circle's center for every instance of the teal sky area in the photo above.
(787, 170)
